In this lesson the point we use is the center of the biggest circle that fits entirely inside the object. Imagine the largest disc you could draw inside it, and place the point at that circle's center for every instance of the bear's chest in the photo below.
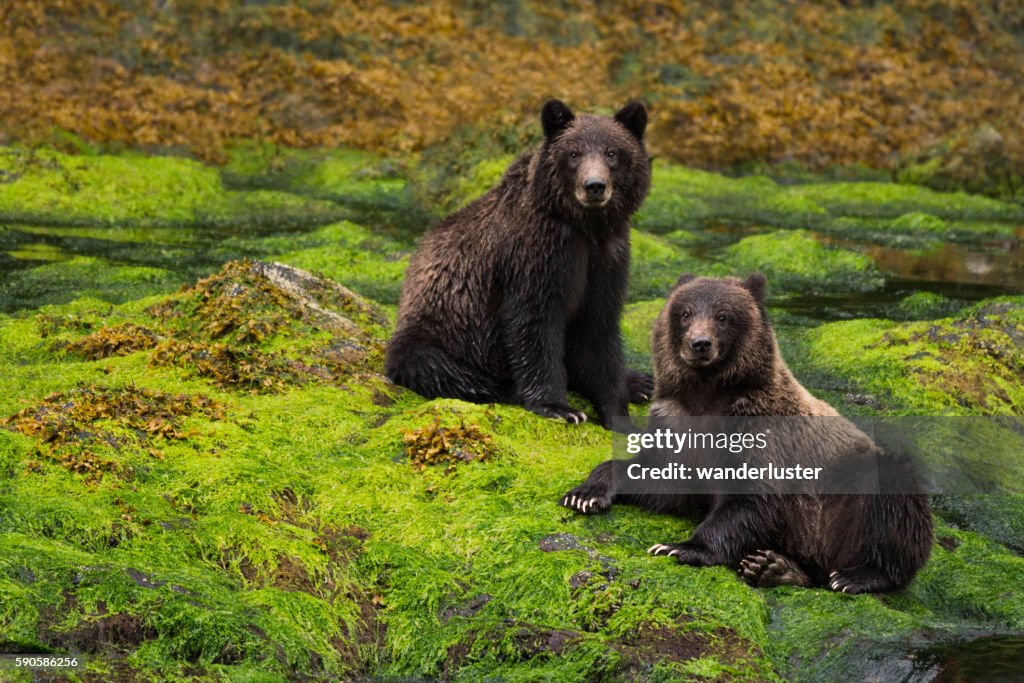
(596, 274)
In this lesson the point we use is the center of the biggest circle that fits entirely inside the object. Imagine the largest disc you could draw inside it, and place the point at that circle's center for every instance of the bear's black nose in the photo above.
(594, 187)
(702, 344)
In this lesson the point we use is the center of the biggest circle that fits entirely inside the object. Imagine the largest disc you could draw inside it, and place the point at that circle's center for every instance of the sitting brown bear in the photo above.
(517, 297)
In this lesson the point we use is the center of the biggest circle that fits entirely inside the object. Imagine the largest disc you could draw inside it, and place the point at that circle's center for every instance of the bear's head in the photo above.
(594, 166)
(716, 328)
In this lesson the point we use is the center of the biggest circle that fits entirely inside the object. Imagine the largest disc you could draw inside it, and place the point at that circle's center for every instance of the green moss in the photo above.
(919, 229)
(919, 222)
(820, 636)
(343, 175)
(637, 323)
(963, 581)
(104, 189)
(479, 180)
(999, 517)
(82, 277)
(37, 252)
(287, 536)
(656, 265)
(370, 187)
(963, 365)
(50, 188)
(683, 198)
(369, 263)
(891, 200)
(926, 305)
(795, 261)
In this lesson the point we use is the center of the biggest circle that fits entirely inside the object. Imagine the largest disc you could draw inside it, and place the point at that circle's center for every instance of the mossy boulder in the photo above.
(144, 524)
(332, 525)
(45, 187)
(968, 364)
(689, 199)
(795, 261)
(83, 276)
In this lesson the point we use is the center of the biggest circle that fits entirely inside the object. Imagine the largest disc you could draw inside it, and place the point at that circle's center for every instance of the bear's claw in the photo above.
(861, 579)
(584, 505)
(640, 386)
(672, 549)
(558, 412)
(586, 500)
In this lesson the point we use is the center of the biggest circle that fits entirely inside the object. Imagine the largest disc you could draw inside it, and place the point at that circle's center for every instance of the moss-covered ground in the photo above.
(204, 476)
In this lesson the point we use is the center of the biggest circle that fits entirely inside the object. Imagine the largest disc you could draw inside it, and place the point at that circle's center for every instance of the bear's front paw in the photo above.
(558, 412)
(588, 499)
(640, 386)
(686, 553)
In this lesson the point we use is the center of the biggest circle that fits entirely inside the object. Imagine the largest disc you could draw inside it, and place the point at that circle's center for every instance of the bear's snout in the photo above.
(594, 182)
(699, 348)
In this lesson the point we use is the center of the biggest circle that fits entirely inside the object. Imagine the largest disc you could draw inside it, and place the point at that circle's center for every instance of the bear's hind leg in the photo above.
(860, 579)
(766, 568)
(433, 373)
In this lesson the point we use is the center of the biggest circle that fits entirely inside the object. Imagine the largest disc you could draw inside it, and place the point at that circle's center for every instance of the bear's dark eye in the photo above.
(574, 155)
(721, 317)
(610, 154)
(685, 315)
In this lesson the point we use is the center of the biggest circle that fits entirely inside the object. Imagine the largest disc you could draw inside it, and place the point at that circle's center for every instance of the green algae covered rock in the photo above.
(314, 520)
(49, 188)
(85, 276)
(683, 198)
(795, 261)
(968, 364)
(204, 474)
(249, 494)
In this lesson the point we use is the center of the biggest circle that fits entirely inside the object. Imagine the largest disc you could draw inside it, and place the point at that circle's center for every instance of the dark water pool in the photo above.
(962, 272)
(992, 659)
(997, 263)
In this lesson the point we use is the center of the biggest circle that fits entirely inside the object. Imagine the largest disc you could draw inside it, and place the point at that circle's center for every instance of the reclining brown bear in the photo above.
(715, 354)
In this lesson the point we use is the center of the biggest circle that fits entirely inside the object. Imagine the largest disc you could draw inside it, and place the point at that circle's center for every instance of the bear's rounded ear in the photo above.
(683, 279)
(555, 117)
(755, 284)
(634, 117)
